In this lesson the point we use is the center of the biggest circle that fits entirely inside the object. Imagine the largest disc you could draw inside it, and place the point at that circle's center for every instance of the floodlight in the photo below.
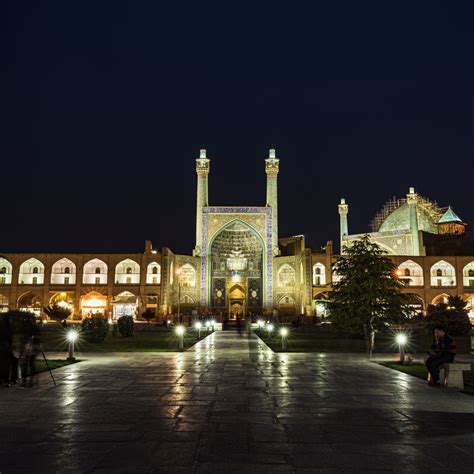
(401, 339)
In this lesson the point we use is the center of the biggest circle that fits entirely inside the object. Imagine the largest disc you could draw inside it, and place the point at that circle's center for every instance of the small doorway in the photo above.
(236, 301)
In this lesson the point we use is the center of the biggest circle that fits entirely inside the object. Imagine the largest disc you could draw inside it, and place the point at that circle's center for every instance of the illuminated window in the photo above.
(128, 271)
(97, 270)
(319, 274)
(413, 270)
(35, 270)
(60, 269)
(3, 270)
(153, 273)
(444, 270)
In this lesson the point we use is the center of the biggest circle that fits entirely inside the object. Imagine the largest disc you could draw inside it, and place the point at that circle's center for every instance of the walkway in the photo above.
(229, 405)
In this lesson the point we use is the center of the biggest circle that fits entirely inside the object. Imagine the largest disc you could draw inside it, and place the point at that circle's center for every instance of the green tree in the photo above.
(57, 312)
(368, 293)
(452, 315)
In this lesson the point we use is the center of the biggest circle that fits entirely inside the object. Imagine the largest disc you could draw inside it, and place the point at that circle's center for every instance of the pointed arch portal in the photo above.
(236, 261)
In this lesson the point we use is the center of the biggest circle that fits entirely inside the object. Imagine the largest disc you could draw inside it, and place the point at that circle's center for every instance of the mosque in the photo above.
(241, 267)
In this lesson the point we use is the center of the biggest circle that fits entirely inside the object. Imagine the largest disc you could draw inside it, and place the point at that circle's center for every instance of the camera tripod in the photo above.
(45, 360)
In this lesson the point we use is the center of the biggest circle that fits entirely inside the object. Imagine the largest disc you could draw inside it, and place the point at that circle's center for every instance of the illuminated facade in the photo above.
(240, 265)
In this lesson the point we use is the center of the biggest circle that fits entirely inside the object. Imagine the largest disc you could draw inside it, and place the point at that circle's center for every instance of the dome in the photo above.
(396, 216)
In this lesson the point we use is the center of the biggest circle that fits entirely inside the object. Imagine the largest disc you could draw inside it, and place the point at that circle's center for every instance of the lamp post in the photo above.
(270, 329)
(178, 274)
(260, 324)
(198, 326)
(401, 340)
(208, 325)
(283, 334)
(72, 338)
(180, 333)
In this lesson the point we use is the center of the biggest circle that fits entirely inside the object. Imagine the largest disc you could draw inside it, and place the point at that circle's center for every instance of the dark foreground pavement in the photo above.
(230, 405)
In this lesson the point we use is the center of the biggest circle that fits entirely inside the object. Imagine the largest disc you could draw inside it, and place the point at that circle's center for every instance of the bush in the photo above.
(95, 328)
(148, 315)
(126, 326)
(457, 323)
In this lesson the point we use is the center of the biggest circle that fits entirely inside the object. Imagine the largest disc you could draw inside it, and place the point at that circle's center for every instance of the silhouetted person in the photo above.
(442, 351)
(6, 351)
(32, 349)
(239, 326)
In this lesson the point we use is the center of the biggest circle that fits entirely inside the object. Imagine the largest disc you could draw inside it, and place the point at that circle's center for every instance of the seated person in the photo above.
(441, 351)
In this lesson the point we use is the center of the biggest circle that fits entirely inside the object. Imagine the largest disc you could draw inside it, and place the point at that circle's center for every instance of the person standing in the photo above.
(6, 351)
(32, 349)
(442, 351)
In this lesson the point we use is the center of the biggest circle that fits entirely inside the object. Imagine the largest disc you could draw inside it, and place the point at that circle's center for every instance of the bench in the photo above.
(451, 374)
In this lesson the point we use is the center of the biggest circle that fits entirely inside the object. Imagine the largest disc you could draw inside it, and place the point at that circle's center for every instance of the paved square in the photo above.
(231, 405)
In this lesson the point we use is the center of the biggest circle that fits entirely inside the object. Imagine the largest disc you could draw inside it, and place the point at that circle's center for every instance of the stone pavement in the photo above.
(231, 405)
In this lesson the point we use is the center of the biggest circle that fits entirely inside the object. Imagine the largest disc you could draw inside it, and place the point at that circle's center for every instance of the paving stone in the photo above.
(230, 405)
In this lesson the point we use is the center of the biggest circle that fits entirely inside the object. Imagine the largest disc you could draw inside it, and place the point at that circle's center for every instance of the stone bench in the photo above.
(451, 376)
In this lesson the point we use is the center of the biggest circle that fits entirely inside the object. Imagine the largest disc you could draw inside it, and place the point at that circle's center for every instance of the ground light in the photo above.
(401, 340)
(72, 336)
(284, 335)
(180, 330)
(198, 327)
(208, 325)
(260, 325)
(270, 329)
(213, 324)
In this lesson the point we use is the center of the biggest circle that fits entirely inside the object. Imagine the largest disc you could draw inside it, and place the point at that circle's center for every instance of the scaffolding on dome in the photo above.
(431, 207)
(390, 206)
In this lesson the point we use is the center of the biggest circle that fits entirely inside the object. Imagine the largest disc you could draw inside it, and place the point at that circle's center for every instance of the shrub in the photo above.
(126, 326)
(95, 328)
(21, 322)
(148, 315)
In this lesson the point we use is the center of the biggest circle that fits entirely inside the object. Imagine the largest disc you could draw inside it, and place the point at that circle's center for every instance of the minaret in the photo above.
(343, 227)
(271, 168)
(202, 170)
(411, 200)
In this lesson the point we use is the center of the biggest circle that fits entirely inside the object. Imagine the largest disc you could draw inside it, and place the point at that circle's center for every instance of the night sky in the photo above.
(110, 102)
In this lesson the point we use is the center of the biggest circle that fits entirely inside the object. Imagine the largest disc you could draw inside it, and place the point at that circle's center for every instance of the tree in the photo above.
(57, 312)
(452, 315)
(148, 315)
(368, 293)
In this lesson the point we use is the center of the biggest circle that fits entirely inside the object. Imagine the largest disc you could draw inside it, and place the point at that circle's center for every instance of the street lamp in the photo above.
(198, 327)
(260, 324)
(208, 325)
(401, 341)
(270, 329)
(213, 324)
(178, 274)
(284, 335)
(72, 336)
(180, 330)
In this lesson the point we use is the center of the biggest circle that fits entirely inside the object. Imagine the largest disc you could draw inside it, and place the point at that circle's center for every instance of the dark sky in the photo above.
(109, 103)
